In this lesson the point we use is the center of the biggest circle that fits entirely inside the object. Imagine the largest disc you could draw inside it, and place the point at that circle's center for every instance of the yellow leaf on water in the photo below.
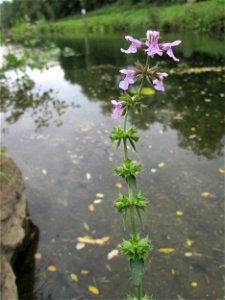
(161, 165)
(80, 246)
(166, 250)
(193, 129)
(90, 240)
(112, 254)
(61, 110)
(221, 170)
(97, 201)
(153, 170)
(84, 272)
(52, 268)
(147, 91)
(91, 207)
(205, 194)
(194, 284)
(74, 277)
(179, 213)
(93, 290)
(38, 255)
(173, 272)
(189, 243)
(119, 185)
(99, 195)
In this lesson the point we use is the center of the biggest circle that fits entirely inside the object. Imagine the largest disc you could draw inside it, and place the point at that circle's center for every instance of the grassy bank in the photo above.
(202, 16)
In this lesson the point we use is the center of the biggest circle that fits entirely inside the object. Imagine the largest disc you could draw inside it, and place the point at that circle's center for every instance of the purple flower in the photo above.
(167, 47)
(117, 112)
(135, 44)
(158, 82)
(124, 84)
(152, 43)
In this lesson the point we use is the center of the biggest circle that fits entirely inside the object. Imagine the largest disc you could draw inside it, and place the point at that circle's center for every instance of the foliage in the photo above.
(136, 248)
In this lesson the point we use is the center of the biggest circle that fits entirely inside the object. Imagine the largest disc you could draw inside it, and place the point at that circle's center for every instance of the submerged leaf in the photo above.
(97, 201)
(52, 268)
(91, 207)
(74, 277)
(119, 185)
(166, 250)
(99, 195)
(90, 240)
(221, 170)
(161, 165)
(179, 213)
(112, 254)
(93, 290)
(205, 194)
(84, 272)
(80, 246)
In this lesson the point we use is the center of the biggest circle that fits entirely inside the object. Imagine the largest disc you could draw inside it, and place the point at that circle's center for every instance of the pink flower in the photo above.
(135, 44)
(167, 47)
(117, 112)
(158, 82)
(152, 43)
(124, 84)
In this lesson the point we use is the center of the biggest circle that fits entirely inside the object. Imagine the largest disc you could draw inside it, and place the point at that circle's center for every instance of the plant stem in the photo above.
(139, 291)
(124, 139)
(130, 192)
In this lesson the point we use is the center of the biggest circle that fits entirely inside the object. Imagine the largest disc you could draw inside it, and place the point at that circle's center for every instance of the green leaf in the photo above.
(137, 270)
(140, 217)
(132, 144)
(131, 181)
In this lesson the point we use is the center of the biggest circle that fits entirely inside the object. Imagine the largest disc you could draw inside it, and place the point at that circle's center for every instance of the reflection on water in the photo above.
(66, 167)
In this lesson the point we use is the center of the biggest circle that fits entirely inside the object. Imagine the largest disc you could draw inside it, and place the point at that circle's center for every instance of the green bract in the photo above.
(128, 169)
(136, 248)
(118, 134)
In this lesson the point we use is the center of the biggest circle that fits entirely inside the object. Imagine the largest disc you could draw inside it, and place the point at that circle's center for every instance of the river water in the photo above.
(62, 146)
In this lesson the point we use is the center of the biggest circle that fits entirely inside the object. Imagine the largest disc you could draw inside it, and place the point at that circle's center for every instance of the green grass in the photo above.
(202, 16)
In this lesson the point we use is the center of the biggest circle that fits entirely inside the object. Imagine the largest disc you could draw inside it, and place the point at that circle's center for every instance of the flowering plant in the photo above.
(135, 203)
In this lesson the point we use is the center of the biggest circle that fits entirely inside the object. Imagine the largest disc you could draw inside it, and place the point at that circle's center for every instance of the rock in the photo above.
(13, 220)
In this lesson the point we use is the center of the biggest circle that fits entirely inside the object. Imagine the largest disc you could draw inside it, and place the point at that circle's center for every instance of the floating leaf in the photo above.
(84, 272)
(86, 226)
(52, 268)
(173, 272)
(88, 176)
(188, 254)
(189, 243)
(91, 207)
(119, 185)
(93, 290)
(153, 170)
(221, 170)
(161, 165)
(97, 201)
(205, 194)
(38, 255)
(194, 284)
(193, 129)
(61, 110)
(80, 246)
(99, 195)
(74, 277)
(89, 240)
(112, 254)
(179, 213)
(44, 172)
(147, 91)
(166, 250)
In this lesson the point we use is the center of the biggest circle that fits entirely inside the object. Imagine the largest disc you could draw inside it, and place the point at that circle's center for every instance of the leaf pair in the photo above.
(118, 134)
(136, 248)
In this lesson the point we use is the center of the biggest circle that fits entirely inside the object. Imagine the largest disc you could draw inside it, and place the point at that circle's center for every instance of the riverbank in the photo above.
(201, 16)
